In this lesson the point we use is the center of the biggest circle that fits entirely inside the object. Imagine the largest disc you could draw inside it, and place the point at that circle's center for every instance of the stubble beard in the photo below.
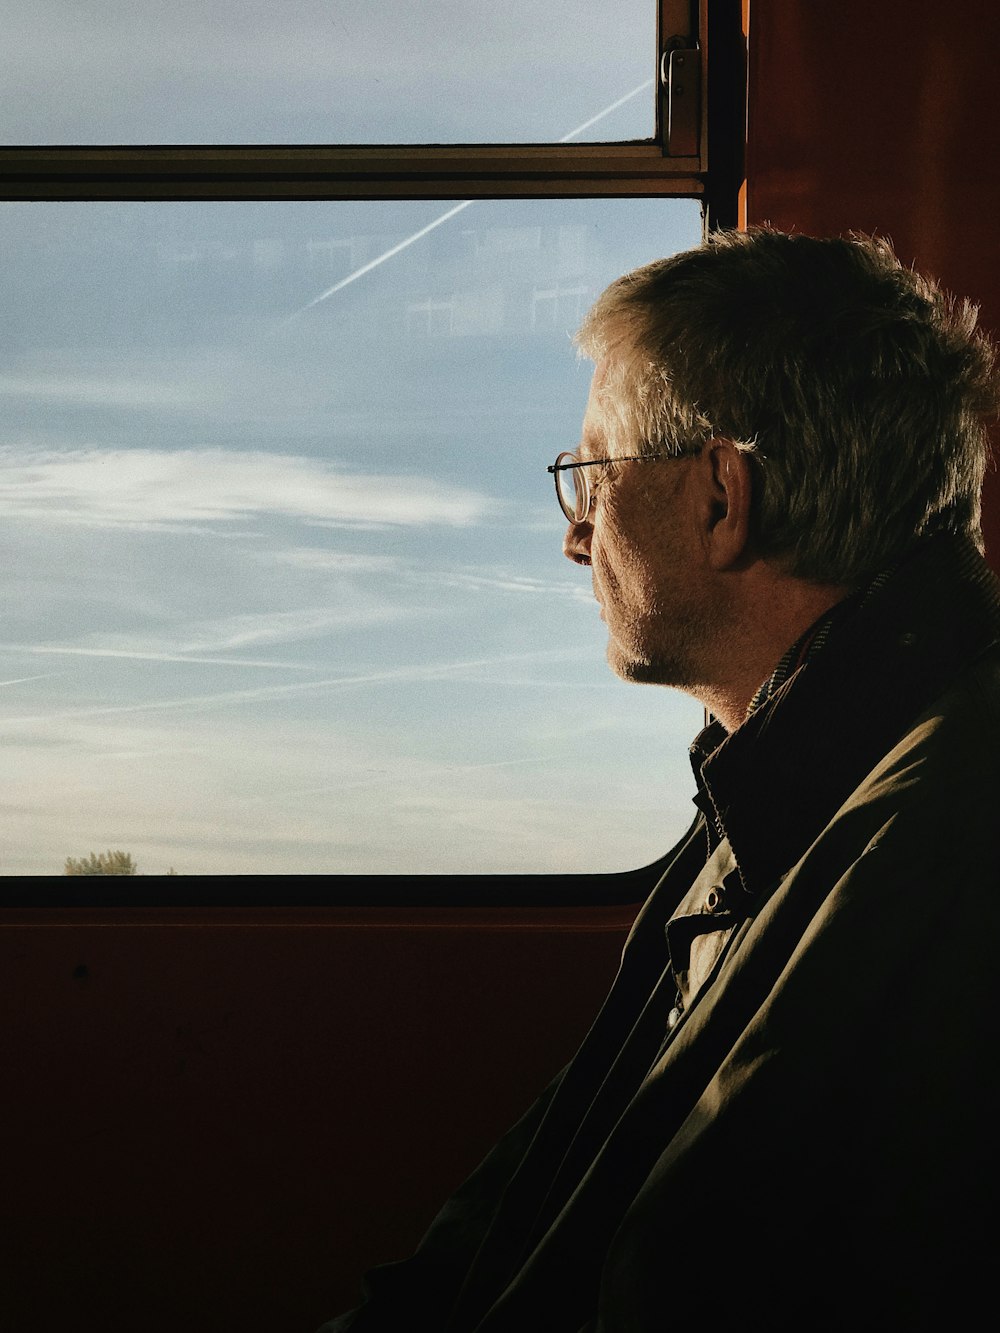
(670, 657)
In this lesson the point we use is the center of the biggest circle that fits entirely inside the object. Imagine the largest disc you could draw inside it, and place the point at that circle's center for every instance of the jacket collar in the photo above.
(772, 785)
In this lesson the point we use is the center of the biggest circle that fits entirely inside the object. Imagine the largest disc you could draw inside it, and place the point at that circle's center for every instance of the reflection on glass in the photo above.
(283, 588)
(322, 71)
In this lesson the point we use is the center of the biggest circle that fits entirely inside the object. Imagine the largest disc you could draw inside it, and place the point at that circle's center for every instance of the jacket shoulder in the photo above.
(946, 765)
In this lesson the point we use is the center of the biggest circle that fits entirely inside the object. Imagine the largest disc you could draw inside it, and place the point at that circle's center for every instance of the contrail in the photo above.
(134, 655)
(381, 259)
(648, 83)
(392, 675)
(445, 217)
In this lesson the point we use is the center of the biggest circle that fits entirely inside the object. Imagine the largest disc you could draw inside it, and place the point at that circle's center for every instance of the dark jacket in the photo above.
(814, 1143)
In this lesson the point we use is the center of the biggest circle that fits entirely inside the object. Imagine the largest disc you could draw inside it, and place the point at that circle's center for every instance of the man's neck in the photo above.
(780, 611)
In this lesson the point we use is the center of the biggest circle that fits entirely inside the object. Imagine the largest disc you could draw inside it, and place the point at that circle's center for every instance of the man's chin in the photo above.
(636, 670)
(644, 671)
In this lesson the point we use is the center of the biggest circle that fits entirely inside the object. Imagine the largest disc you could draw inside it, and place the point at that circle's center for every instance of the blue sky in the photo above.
(323, 71)
(282, 587)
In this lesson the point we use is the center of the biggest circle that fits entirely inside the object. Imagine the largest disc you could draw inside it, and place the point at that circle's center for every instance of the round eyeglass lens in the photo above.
(573, 493)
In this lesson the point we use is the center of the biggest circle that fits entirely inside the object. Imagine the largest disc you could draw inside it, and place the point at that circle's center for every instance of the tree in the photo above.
(106, 863)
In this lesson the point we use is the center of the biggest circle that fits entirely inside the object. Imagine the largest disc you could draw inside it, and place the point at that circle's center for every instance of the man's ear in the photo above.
(729, 478)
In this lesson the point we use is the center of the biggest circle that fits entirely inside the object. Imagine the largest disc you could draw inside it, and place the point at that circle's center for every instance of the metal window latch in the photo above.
(680, 79)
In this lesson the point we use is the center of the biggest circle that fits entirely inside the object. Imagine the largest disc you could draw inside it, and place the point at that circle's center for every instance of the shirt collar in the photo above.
(818, 635)
(838, 700)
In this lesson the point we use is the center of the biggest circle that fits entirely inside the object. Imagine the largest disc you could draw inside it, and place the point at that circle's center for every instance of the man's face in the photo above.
(641, 549)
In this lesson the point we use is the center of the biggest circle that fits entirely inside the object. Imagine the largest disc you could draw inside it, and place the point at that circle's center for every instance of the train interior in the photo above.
(230, 1096)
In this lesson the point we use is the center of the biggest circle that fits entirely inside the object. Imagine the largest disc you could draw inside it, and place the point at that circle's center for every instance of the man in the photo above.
(786, 1112)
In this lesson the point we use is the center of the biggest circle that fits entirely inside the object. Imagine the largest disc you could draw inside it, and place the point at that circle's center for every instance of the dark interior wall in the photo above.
(882, 117)
(217, 1120)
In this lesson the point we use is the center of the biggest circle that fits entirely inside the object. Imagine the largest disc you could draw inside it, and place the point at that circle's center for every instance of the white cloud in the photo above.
(228, 633)
(339, 562)
(473, 579)
(99, 391)
(151, 488)
(275, 626)
(519, 584)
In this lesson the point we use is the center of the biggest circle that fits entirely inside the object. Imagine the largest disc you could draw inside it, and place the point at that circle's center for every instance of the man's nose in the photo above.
(576, 543)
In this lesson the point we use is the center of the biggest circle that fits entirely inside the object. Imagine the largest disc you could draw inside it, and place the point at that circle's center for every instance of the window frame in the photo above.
(221, 172)
(292, 172)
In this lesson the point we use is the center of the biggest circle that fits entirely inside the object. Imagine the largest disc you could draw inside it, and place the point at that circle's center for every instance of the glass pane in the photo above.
(282, 585)
(324, 71)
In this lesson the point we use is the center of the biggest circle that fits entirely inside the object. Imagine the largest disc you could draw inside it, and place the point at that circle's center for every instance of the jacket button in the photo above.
(713, 899)
(673, 1018)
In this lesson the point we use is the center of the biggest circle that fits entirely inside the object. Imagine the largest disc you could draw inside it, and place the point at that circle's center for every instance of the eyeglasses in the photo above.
(573, 489)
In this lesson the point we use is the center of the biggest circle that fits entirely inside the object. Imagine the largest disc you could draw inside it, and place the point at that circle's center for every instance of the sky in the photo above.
(320, 71)
(282, 582)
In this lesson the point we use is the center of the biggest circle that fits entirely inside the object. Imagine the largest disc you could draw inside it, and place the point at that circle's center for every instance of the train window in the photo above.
(283, 590)
(308, 71)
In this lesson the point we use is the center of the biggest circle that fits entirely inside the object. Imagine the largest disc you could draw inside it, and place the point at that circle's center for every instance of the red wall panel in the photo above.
(217, 1121)
(883, 118)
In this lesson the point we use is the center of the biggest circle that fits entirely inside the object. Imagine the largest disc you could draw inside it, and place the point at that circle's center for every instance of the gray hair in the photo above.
(860, 388)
